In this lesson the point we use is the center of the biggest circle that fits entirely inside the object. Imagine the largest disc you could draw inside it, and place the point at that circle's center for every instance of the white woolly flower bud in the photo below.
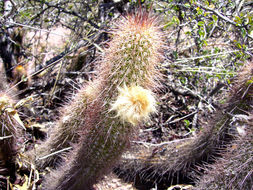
(5, 101)
(134, 104)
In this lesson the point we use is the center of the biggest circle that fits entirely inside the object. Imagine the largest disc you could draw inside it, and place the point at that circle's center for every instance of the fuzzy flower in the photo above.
(134, 104)
(4, 101)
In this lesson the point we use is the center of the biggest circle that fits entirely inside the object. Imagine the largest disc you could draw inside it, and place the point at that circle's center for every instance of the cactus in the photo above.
(234, 169)
(178, 160)
(67, 128)
(10, 127)
(10, 130)
(124, 99)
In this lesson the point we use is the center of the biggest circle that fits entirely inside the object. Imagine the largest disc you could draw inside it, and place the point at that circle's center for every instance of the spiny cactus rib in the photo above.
(134, 53)
(130, 60)
(67, 128)
(234, 169)
(178, 160)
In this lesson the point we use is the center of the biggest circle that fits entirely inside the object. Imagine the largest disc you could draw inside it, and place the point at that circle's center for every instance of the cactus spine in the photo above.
(127, 72)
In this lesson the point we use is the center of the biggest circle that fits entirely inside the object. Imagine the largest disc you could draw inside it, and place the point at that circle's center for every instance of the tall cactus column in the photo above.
(10, 130)
(66, 131)
(127, 75)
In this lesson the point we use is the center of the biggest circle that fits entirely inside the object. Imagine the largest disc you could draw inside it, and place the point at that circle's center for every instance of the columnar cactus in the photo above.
(134, 52)
(9, 131)
(234, 169)
(66, 131)
(124, 98)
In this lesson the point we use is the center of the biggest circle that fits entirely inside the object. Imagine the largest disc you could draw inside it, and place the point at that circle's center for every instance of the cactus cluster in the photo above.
(104, 115)
(97, 125)
(187, 155)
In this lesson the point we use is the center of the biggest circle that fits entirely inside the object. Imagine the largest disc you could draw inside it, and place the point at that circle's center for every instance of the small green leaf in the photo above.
(239, 45)
(243, 32)
(215, 18)
(187, 5)
(201, 23)
(187, 123)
